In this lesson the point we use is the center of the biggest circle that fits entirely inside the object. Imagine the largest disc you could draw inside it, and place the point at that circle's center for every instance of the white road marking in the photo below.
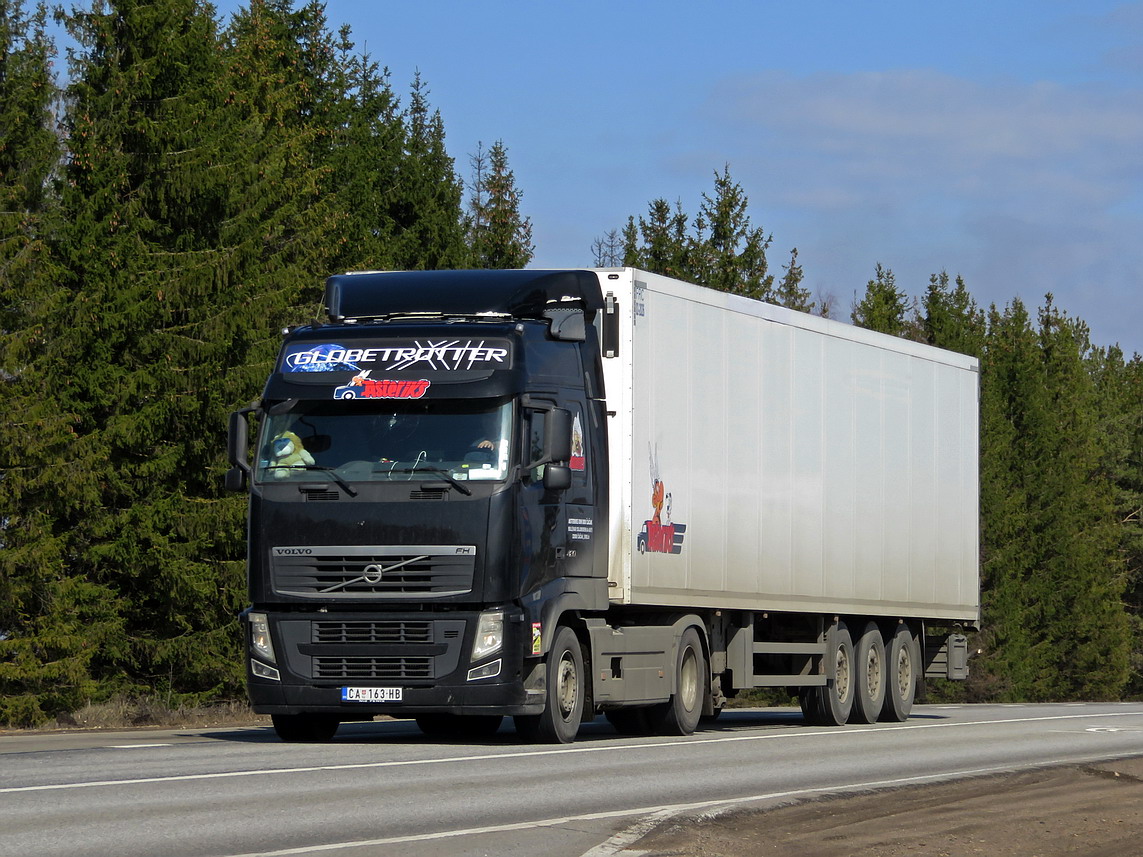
(799, 734)
(135, 746)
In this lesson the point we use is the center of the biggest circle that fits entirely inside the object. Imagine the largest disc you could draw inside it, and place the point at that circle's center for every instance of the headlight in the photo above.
(260, 640)
(489, 634)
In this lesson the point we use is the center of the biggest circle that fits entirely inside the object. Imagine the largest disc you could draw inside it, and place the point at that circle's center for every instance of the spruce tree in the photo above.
(883, 307)
(662, 246)
(367, 151)
(429, 228)
(498, 236)
(951, 319)
(727, 252)
(145, 193)
(723, 251)
(790, 293)
(1119, 392)
(56, 627)
(1053, 577)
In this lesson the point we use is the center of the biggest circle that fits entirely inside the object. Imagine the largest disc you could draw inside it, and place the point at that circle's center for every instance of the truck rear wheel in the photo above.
(681, 713)
(305, 728)
(870, 675)
(560, 720)
(902, 659)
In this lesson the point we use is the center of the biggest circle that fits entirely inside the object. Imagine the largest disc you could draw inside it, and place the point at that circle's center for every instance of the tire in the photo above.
(836, 698)
(902, 667)
(870, 675)
(629, 721)
(566, 689)
(305, 728)
(810, 700)
(680, 714)
(459, 726)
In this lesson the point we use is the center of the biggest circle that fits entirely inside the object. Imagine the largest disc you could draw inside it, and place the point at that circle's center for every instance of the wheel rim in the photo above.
(688, 679)
(873, 672)
(904, 673)
(567, 690)
(842, 674)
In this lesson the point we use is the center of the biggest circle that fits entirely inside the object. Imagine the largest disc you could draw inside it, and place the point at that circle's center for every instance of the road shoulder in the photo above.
(1094, 809)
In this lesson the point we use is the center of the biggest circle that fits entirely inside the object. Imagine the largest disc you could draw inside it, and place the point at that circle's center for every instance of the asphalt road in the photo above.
(383, 788)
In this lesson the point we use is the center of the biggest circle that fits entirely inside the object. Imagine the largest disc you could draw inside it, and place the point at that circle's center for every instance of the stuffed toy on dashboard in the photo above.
(287, 451)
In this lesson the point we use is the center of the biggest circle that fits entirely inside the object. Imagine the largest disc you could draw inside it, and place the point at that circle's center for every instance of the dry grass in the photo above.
(125, 713)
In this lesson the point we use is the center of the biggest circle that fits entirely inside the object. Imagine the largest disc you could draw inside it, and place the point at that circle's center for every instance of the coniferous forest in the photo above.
(180, 199)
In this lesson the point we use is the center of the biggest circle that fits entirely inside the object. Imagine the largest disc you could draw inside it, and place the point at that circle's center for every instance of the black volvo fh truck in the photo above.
(448, 521)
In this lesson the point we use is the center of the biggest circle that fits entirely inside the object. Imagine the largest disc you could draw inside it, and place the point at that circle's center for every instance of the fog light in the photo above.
(260, 670)
(487, 671)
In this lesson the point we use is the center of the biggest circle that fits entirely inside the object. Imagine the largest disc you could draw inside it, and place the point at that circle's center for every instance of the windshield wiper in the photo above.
(321, 468)
(458, 485)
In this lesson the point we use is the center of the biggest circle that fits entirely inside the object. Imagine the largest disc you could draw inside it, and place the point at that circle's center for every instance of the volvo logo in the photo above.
(372, 573)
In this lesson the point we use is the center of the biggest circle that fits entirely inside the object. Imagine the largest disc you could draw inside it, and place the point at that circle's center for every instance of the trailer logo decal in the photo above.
(660, 534)
(363, 387)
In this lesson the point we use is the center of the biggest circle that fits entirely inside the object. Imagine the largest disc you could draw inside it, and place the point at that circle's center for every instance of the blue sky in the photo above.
(1002, 141)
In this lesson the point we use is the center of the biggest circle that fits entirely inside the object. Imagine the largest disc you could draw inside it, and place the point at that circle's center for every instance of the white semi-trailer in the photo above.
(617, 493)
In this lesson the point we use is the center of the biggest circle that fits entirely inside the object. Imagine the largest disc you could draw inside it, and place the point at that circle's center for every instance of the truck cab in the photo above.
(424, 482)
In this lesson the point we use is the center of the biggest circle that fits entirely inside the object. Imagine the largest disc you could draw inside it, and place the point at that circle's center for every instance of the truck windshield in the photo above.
(377, 441)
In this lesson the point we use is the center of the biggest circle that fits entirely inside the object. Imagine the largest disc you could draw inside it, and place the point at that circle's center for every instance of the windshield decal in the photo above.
(364, 387)
(443, 355)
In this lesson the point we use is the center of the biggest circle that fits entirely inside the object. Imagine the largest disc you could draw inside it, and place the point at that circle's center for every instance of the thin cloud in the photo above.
(1025, 188)
(926, 129)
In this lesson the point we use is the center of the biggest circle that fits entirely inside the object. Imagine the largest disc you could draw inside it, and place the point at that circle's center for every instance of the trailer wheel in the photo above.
(680, 714)
(831, 705)
(305, 728)
(560, 720)
(901, 687)
(870, 675)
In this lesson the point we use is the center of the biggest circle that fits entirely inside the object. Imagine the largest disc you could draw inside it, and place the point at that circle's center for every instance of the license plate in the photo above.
(371, 694)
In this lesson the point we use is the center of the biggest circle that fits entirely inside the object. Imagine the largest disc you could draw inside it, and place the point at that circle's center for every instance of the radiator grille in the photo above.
(345, 573)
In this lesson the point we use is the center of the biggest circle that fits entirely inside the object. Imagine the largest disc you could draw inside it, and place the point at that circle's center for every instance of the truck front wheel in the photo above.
(559, 723)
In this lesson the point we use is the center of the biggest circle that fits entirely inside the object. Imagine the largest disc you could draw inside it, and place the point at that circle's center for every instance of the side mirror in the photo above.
(557, 477)
(557, 440)
(237, 443)
(235, 479)
(237, 440)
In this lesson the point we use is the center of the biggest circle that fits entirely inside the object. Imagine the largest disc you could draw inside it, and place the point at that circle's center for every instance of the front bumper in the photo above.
(426, 655)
